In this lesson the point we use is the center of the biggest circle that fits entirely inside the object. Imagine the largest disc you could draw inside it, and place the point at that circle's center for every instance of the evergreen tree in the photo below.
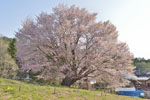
(8, 66)
(12, 47)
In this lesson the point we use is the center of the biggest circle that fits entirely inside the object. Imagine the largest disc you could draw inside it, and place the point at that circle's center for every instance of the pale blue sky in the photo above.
(131, 17)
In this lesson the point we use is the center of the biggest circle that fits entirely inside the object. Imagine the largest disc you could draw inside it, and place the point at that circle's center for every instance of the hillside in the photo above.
(8, 66)
(9, 90)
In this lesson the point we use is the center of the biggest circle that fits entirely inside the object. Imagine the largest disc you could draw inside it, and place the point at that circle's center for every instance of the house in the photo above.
(139, 82)
(139, 87)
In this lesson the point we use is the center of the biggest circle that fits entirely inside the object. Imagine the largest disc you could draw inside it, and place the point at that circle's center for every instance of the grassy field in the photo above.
(9, 90)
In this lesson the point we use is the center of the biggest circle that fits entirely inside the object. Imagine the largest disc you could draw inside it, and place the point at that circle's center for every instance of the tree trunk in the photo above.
(67, 81)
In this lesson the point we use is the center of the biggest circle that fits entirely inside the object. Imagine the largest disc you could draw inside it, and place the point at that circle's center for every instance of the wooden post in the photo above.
(19, 88)
(54, 92)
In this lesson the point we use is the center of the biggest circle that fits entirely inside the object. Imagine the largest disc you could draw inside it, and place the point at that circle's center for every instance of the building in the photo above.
(139, 87)
(139, 82)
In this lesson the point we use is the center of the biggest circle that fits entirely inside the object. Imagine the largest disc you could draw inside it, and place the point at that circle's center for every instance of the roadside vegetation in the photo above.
(16, 90)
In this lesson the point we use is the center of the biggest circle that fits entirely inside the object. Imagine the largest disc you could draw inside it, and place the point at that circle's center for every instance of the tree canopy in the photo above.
(8, 66)
(70, 45)
(12, 47)
(142, 66)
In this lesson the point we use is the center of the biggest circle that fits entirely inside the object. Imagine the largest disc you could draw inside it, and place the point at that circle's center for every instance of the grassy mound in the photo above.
(15, 90)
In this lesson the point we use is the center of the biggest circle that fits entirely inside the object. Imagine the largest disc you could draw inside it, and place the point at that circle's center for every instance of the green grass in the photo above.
(37, 92)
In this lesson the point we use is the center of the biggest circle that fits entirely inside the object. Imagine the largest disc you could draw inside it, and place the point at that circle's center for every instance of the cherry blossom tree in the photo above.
(71, 45)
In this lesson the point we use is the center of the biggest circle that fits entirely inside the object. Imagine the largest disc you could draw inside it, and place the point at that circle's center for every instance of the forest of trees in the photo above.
(8, 66)
(68, 46)
(142, 66)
